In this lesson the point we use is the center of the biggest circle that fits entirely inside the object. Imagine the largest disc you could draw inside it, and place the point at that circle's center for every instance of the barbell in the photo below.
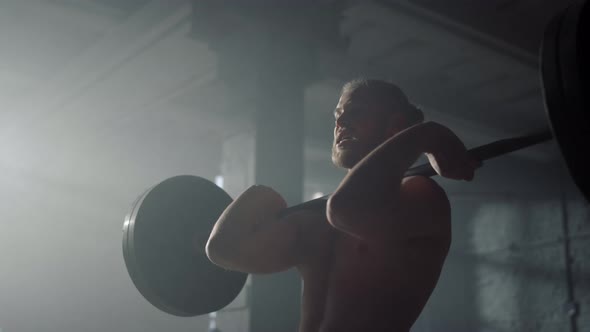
(165, 232)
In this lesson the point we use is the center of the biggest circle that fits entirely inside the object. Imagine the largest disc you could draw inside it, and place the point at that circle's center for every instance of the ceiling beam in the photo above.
(343, 68)
(410, 18)
(141, 30)
(462, 30)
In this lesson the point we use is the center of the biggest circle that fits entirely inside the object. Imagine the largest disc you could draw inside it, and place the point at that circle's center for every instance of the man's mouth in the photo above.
(346, 140)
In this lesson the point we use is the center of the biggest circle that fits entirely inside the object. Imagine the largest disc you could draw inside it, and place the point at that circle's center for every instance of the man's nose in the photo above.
(343, 120)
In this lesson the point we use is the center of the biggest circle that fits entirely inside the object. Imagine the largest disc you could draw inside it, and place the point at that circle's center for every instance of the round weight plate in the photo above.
(164, 238)
(562, 65)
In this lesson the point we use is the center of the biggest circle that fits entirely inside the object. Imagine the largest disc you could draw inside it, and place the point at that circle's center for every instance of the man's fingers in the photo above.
(475, 163)
(470, 169)
(470, 174)
(464, 170)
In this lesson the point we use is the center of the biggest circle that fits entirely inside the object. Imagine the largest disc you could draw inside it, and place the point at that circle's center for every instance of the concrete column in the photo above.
(266, 58)
(272, 155)
(275, 298)
(264, 74)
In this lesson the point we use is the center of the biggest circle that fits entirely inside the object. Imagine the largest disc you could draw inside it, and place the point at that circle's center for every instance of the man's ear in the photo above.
(396, 123)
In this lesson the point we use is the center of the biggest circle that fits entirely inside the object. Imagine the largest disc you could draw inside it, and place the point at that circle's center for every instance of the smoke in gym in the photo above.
(283, 166)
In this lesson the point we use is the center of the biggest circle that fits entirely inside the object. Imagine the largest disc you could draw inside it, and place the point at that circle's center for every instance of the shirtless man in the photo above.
(372, 260)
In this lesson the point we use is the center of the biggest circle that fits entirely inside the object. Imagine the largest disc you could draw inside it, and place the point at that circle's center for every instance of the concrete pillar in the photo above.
(275, 298)
(271, 154)
(266, 55)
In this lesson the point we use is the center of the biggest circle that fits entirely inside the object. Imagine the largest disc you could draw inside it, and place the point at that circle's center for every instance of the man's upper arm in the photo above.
(272, 247)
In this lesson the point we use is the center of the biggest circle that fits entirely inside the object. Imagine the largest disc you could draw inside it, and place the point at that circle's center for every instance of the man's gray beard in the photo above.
(344, 159)
(347, 159)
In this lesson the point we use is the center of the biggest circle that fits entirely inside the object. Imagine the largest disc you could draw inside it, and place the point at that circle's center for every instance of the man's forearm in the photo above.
(374, 182)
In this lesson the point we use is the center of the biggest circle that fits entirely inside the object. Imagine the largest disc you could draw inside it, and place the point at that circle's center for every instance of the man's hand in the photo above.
(447, 154)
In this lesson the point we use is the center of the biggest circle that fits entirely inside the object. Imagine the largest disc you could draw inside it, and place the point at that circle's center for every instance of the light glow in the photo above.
(219, 181)
(317, 194)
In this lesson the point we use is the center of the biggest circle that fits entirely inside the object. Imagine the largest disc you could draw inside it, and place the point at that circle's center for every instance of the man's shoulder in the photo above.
(427, 206)
(315, 236)
(309, 223)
